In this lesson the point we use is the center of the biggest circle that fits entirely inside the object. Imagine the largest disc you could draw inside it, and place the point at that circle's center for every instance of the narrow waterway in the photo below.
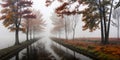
(48, 43)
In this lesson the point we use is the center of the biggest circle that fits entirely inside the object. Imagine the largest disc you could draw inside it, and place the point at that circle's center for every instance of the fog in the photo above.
(7, 38)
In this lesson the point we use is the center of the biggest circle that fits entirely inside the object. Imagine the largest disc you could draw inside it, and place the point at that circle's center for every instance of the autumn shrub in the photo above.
(90, 47)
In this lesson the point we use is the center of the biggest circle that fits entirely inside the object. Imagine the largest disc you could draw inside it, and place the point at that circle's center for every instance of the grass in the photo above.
(93, 50)
(10, 51)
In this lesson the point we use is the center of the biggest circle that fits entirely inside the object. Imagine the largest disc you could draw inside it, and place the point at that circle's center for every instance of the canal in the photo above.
(45, 49)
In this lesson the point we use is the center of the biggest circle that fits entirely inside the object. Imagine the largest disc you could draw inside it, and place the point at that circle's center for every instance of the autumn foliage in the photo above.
(107, 49)
(12, 16)
(13, 13)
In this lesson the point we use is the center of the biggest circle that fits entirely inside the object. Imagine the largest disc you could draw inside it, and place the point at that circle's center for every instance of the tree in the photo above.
(74, 21)
(64, 12)
(116, 15)
(97, 12)
(58, 24)
(33, 24)
(12, 14)
(103, 17)
(28, 18)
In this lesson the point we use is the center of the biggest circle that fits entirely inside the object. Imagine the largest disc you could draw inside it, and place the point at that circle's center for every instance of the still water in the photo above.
(48, 42)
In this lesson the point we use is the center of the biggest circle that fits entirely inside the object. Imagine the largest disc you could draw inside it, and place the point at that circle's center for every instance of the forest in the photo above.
(59, 30)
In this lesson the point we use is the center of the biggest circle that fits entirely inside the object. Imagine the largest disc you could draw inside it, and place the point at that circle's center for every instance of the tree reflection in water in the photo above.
(37, 52)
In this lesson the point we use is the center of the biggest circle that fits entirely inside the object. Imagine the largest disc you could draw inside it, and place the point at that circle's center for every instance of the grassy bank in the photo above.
(96, 52)
(11, 51)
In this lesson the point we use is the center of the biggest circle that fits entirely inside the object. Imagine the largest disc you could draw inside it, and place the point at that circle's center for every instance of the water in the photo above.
(77, 55)
(20, 55)
(48, 42)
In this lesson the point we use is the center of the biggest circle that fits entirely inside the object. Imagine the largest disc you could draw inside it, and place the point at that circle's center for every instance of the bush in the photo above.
(90, 47)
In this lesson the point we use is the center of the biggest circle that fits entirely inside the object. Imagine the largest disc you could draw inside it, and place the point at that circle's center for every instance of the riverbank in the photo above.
(9, 52)
(96, 52)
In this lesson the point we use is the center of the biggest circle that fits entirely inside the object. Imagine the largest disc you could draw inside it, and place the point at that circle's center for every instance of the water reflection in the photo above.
(17, 56)
(37, 52)
(30, 54)
(43, 50)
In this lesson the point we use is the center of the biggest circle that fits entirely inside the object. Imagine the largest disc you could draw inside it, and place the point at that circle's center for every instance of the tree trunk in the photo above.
(105, 26)
(73, 34)
(30, 34)
(59, 34)
(108, 28)
(118, 28)
(102, 32)
(66, 30)
(17, 36)
(27, 33)
(33, 32)
(17, 28)
(74, 28)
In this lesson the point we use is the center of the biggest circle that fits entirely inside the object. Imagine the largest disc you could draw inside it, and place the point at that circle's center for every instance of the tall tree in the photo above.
(74, 22)
(116, 15)
(103, 17)
(58, 24)
(28, 21)
(33, 24)
(64, 12)
(97, 12)
(12, 14)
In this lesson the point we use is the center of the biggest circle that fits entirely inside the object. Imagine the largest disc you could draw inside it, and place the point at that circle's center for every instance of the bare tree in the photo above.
(34, 25)
(58, 24)
(74, 21)
(116, 15)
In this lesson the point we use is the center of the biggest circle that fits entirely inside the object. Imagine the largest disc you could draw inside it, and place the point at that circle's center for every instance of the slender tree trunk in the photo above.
(73, 34)
(17, 28)
(30, 34)
(101, 22)
(33, 34)
(17, 36)
(66, 29)
(27, 30)
(33, 31)
(105, 27)
(118, 28)
(74, 28)
(108, 29)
